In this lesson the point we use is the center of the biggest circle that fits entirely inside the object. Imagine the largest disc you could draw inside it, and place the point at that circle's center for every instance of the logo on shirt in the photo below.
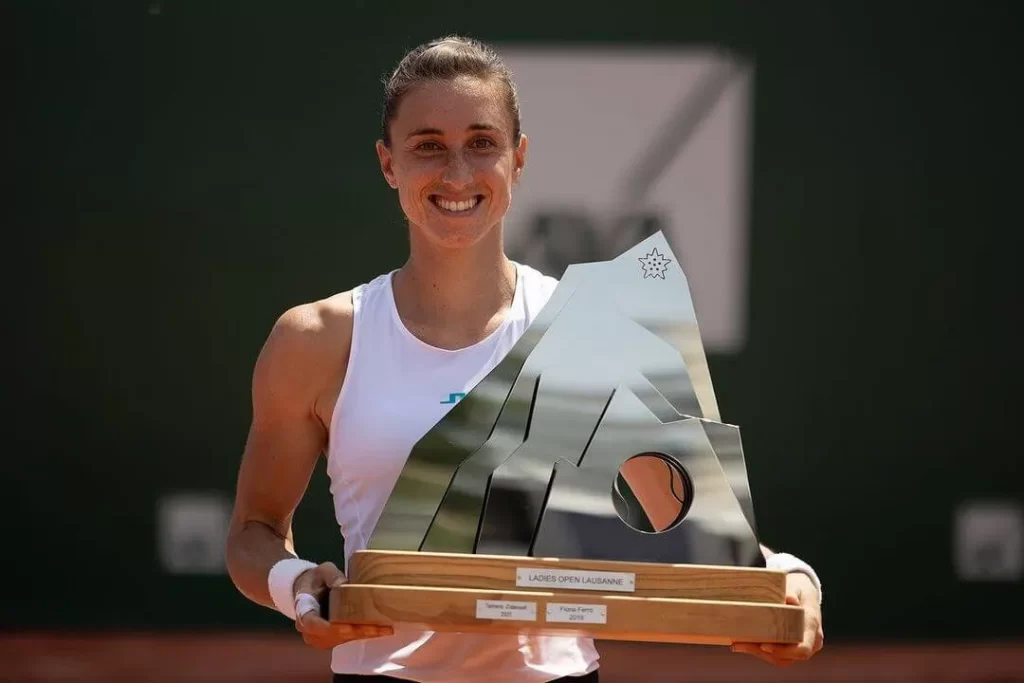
(454, 397)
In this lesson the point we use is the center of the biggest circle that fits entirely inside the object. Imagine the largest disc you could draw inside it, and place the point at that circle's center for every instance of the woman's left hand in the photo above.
(799, 591)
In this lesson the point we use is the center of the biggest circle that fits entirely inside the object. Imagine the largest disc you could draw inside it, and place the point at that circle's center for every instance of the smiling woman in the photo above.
(452, 148)
(362, 375)
(451, 142)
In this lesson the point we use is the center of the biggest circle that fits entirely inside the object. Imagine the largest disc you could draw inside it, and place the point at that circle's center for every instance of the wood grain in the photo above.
(498, 572)
(670, 620)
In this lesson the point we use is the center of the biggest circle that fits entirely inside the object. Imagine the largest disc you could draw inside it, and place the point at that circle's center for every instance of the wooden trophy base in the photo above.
(606, 600)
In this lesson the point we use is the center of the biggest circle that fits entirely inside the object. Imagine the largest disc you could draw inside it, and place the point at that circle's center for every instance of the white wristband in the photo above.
(790, 563)
(281, 582)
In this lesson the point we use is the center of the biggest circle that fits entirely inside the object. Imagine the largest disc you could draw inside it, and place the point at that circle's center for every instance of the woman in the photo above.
(362, 375)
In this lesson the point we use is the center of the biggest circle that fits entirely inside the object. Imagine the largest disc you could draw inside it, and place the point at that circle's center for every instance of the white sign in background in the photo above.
(192, 527)
(988, 541)
(623, 141)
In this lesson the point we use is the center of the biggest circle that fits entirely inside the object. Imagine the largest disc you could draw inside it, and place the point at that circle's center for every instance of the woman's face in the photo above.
(452, 159)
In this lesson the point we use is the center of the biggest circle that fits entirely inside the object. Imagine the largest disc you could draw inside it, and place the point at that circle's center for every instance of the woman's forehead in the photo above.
(453, 106)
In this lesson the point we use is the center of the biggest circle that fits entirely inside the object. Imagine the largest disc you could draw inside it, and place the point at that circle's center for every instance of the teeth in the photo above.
(456, 207)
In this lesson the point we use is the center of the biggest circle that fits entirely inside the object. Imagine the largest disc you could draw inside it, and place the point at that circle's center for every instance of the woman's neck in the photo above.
(454, 297)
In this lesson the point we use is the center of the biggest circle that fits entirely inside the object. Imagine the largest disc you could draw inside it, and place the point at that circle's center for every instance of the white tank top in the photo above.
(396, 389)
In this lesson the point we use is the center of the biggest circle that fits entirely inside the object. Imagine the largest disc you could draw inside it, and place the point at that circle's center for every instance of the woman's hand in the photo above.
(317, 631)
(800, 591)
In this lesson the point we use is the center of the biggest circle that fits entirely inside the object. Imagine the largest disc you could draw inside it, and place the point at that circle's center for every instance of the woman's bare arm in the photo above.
(302, 354)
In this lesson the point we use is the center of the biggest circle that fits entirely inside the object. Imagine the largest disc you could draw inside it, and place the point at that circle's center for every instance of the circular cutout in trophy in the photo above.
(652, 493)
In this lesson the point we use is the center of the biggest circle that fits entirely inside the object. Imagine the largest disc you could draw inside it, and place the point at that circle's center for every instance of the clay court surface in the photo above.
(230, 658)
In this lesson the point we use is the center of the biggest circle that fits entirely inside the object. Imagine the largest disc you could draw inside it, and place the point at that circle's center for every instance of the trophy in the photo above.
(585, 486)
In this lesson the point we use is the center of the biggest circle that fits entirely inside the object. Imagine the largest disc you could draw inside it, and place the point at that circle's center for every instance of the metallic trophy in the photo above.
(584, 486)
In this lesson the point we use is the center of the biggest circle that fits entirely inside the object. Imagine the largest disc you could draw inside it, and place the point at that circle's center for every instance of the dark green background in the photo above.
(181, 178)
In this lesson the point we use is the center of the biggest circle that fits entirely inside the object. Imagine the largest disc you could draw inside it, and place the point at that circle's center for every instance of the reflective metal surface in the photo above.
(527, 462)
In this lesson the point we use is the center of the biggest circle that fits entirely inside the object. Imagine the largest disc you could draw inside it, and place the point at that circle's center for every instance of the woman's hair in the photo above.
(445, 59)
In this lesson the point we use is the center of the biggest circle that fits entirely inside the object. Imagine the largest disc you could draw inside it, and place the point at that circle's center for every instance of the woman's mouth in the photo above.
(456, 207)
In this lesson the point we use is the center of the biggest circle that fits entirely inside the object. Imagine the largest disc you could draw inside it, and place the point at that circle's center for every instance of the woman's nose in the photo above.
(457, 172)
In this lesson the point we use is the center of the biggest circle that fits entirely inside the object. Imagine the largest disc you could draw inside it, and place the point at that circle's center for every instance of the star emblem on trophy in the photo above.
(654, 264)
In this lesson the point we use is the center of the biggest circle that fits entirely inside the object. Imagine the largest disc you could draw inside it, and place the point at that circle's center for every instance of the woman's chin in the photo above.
(457, 234)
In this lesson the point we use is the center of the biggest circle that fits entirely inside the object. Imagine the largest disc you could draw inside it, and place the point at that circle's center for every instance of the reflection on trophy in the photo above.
(584, 486)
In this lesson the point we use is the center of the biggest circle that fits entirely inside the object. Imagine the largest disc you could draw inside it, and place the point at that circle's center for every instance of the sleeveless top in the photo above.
(396, 389)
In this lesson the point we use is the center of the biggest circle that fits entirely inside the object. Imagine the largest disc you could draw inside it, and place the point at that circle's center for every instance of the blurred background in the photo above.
(836, 179)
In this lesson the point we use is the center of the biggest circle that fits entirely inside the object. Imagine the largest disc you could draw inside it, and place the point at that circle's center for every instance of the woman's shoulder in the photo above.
(328, 318)
(315, 329)
(308, 345)
(315, 318)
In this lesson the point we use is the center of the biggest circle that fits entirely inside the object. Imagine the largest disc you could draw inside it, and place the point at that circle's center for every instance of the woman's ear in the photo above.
(519, 158)
(386, 164)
